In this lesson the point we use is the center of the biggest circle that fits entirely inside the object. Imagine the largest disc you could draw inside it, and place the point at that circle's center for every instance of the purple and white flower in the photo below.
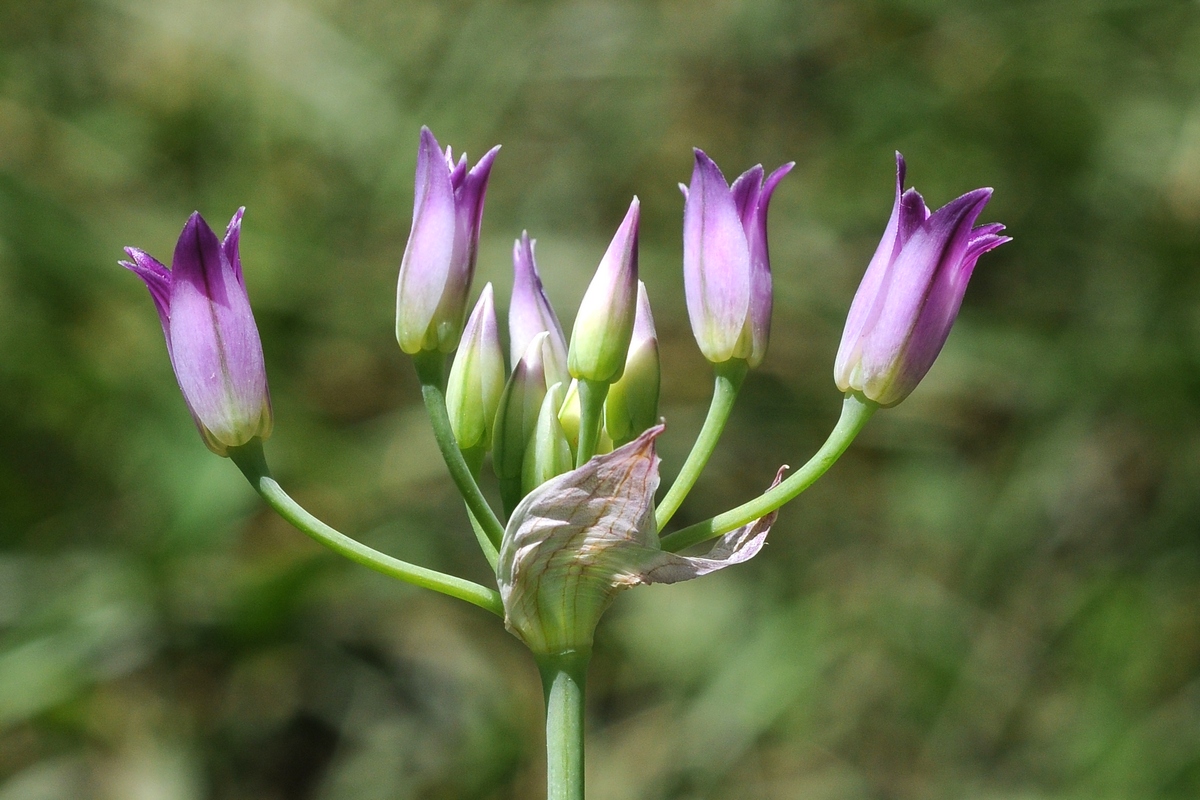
(211, 337)
(911, 293)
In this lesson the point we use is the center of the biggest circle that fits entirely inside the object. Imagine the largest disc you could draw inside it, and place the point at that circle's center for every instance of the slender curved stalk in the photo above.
(430, 366)
(856, 410)
(726, 383)
(253, 464)
(564, 677)
(591, 412)
(474, 459)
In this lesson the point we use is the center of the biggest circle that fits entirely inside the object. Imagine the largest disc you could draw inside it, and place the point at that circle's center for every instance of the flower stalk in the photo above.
(856, 412)
(250, 459)
(564, 676)
(728, 377)
(431, 366)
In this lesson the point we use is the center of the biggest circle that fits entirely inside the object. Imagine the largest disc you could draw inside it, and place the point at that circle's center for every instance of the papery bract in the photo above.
(439, 260)
(530, 313)
(211, 337)
(911, 292)
(579, 539)
(726, 264)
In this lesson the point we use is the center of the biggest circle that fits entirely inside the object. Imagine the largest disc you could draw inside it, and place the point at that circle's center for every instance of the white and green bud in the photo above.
(516, 417)
(632, 403)
(476, 378)
(579, 539)
(547, 453)
(604, 322)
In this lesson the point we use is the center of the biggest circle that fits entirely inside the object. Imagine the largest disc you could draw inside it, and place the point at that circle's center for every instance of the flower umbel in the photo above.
(439, 261)
(911, 292)
(211, 337)
(726, 266)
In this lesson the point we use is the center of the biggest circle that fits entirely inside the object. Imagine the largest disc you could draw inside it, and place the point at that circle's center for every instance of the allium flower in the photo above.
(726, 267)
(439, 261)
(604, 322)
(911, 292)
(211, 336)
(530, 313)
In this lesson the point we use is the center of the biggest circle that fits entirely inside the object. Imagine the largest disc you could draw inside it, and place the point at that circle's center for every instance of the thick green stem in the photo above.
(856, 410)
(728, 379)
(591, 410)
(253, 464)
(430, 366)
(564, 676)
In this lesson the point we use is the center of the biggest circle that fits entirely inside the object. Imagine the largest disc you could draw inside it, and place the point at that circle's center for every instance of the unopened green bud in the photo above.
(632, 403)
(604, 323)
(547, 453)
(516, 418)
(476, 378)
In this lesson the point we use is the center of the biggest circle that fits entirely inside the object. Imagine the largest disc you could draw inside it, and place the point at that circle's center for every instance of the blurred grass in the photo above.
(994, 595)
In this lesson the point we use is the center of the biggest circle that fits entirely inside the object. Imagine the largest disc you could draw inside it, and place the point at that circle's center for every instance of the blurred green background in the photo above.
(995, 594)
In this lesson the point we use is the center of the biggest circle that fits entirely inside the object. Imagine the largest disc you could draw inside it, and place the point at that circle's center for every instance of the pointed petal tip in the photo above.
(428, 144)
(196, 226)
(484, 164)
(235, 223)
(773, 180)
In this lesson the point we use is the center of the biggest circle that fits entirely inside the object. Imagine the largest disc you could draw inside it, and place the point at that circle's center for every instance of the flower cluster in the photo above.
(570, 423)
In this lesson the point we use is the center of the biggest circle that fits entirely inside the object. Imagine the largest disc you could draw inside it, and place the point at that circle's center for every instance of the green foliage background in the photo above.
(996, 594)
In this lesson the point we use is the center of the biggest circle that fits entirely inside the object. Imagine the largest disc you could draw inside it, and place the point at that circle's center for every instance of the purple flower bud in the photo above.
(604, 322)
(439, 261)
(911, 292)
(211, 337)
(726, 266)
(530, 313)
